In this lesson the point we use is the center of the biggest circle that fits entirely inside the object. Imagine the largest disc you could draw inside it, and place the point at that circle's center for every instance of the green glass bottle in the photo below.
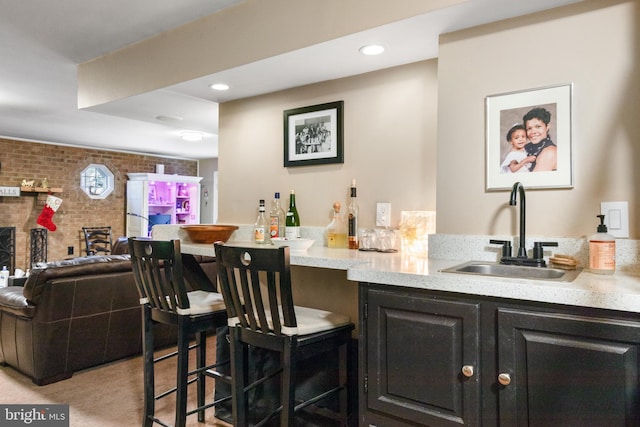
(292, 230)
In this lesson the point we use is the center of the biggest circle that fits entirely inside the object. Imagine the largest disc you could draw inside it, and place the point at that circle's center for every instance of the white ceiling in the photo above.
(42, 41)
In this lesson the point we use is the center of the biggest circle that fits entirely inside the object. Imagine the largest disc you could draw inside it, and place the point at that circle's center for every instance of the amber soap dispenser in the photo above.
(602, 250)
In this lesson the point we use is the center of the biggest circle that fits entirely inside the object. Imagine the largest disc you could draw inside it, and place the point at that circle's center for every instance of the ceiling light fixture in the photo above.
(218, 86)
(164, 118)
(192, 136)
(371, 49)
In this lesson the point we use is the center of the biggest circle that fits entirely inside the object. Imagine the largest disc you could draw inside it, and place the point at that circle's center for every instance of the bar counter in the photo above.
(620, 291)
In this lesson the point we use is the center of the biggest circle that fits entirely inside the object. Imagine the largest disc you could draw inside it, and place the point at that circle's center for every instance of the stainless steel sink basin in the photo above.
(485, 268)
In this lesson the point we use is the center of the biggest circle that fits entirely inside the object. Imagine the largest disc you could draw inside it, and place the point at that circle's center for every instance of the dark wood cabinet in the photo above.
(567, 370)
(442, 359)
(421, 360)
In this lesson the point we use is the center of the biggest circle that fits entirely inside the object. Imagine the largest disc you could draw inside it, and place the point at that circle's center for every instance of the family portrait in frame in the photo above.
(528, 138)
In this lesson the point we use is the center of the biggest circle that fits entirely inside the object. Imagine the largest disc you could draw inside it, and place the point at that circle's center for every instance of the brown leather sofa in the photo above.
(74, 314)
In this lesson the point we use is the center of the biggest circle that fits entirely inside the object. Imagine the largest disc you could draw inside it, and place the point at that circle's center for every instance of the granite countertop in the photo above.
(620, 291)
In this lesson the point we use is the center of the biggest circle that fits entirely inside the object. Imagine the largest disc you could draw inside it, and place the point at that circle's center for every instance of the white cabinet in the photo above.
(161, 199)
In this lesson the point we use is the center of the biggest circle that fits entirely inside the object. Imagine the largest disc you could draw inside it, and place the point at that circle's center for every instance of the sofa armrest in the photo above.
(120, 246)
(12, 300)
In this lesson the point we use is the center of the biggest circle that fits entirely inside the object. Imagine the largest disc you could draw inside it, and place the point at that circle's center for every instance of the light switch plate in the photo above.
(616, 218)
(383, 214)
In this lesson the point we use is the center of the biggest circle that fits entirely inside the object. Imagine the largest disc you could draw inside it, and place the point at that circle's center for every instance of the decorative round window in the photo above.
(96, 181)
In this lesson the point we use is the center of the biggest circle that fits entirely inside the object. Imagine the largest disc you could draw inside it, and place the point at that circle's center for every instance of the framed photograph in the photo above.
(152, 194)
(313, 135)
(528, 138)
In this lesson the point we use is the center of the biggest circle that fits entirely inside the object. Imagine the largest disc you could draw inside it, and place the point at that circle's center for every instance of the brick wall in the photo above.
(62, 166)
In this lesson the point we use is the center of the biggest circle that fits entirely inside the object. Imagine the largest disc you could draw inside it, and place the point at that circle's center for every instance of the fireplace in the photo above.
(8, 248)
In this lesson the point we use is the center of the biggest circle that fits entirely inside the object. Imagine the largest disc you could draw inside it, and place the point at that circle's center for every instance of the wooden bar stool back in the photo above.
(256, 286)
(158, 271)
(98, 240)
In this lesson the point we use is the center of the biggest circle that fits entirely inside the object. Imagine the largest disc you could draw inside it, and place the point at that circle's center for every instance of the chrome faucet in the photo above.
(521, 258)
(519, 188)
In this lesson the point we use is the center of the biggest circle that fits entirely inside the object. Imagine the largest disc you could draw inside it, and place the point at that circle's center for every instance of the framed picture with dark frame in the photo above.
(528, 138)
(313, 135)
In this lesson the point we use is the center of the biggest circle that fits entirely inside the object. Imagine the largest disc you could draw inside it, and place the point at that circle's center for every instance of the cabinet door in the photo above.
(137, 208)
(567, 370)
(416, 349)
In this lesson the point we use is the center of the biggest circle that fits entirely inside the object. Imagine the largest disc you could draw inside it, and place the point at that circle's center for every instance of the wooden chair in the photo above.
(97, 240)
(266, 318)
(158, 271)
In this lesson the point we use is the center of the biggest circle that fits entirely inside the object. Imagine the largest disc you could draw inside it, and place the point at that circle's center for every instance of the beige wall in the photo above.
(207, 169)
(389, 140)
(595, 45)
(390, 121)
(247, 32)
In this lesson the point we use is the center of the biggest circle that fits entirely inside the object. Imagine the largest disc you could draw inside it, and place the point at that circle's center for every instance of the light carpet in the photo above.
(110, 395)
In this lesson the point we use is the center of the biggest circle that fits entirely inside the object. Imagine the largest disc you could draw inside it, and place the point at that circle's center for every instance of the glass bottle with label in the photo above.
(336, 230)
(353, 218)
(293, 219)
(4, 277)
(276, 218)
(260, 229)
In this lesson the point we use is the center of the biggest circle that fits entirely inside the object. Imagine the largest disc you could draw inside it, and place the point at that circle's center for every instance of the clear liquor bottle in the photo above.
(336, 230)
(260, 229)
(276, 218)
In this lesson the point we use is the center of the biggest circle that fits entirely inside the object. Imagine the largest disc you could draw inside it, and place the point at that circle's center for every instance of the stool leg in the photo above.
(288, 390)
(201, 361)
(239, 379)
(343, 360)
(182, 374)
(149, 382)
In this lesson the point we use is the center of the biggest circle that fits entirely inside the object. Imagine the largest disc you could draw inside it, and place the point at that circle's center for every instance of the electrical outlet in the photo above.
(383, 214)
(616, 218)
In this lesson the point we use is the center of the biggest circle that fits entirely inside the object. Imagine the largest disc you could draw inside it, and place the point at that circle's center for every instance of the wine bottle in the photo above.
(293, 219)
(276, 218)
(260, 230)
(353, 218)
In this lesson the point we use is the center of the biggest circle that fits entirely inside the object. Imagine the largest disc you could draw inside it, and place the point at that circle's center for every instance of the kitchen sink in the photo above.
(485, 268)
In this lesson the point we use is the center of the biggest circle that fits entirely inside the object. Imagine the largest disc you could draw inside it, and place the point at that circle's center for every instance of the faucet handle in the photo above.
(506, 246)
(538, 251)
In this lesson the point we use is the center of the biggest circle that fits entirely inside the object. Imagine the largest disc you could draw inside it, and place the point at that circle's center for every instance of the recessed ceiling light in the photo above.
(372, 49)
(164, 118)
(219, 86)
(192, 136)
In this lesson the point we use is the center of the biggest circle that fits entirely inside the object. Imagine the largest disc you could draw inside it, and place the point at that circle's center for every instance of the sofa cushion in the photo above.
(120, 246)
(81, 266)
(12, 300)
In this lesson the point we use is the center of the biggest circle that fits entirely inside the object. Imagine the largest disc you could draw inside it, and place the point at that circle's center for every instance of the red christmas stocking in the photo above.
(50, 208)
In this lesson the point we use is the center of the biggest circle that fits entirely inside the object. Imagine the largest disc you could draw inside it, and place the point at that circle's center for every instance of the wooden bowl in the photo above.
(209, 233)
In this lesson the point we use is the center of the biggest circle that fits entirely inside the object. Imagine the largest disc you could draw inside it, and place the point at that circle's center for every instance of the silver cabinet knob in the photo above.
(504, 379)
(467, 371)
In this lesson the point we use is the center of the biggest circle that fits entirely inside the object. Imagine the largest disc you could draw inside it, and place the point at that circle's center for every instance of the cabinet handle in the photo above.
(467, 371)
(504, 379)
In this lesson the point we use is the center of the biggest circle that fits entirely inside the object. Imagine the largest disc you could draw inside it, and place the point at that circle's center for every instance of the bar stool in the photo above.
(267, 318)
(158, 271)
(98, 240)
